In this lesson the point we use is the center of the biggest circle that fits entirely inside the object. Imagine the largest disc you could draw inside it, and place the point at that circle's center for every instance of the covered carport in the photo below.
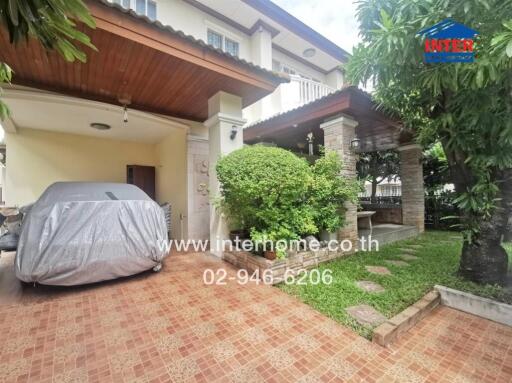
(172, 85)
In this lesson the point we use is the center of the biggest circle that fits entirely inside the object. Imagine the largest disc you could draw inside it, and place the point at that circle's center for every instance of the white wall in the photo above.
(194, 22)
(37, 158)
(302, 68)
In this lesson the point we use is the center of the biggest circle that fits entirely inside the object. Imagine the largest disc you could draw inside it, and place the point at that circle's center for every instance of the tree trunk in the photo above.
(483, 259)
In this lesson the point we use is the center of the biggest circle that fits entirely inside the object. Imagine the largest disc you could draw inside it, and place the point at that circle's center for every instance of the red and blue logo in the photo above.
(449, 42)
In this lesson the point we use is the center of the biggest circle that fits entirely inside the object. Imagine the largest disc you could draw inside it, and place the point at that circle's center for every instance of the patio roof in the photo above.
(157, 68)
(376, 130)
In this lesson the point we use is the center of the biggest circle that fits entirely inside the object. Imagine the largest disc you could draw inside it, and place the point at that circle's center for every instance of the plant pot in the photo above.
(270, 255)
(326, 236)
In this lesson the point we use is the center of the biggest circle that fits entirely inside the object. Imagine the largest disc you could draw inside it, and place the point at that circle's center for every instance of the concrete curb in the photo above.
(393, 328)
(473, 304)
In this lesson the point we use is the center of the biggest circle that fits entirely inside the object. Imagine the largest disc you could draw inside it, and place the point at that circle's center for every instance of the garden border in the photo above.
(396, 326)
(482, 307)
(293, 263)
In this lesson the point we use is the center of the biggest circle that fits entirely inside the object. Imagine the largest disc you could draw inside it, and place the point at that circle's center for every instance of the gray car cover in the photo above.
(82, 232)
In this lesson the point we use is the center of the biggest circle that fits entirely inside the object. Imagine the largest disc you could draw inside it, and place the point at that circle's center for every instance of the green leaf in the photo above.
(509, 49)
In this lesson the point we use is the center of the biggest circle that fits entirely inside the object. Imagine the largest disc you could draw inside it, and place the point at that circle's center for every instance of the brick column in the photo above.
(413, 194)
(338, 134)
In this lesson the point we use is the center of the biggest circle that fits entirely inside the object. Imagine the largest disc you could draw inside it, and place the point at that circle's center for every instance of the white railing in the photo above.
(310, 90)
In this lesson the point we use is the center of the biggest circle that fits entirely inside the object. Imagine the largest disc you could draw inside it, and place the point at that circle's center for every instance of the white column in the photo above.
(335, 78)
(261, 49)
(338, 135)
(225, 116)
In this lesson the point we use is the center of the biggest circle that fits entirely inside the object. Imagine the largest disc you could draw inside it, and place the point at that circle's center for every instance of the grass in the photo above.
(437, 264)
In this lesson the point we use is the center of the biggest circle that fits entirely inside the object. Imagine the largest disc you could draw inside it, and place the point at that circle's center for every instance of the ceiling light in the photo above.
(310, 52)
(100, 126)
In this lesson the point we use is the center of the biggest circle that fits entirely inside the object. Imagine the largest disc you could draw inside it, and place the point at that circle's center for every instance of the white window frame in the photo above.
(225, 35)
(133, 6)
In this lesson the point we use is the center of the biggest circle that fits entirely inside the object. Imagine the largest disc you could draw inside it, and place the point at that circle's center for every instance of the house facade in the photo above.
(173, 85)
(49, 137)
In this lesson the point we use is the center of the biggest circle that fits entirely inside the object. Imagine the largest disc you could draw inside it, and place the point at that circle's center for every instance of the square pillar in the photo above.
(413, 194)
(225, 117)
(338, 134)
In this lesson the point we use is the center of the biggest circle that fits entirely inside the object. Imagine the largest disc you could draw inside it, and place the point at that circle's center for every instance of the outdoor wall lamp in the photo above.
(234, 132)
(355, 144)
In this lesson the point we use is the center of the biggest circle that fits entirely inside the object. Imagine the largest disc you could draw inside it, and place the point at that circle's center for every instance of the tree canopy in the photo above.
(466, 106)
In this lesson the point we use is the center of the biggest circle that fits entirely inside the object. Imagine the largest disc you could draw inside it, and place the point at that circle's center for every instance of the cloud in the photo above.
(334, 19)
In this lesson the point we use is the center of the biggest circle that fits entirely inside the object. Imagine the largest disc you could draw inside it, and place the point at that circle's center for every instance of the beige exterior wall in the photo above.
(37, 158)
(171, 179)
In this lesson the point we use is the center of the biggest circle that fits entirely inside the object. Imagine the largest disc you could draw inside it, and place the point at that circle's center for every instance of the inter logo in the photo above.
(449, 42)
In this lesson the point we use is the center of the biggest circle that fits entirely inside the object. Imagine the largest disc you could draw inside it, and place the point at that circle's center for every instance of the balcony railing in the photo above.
(310, 90)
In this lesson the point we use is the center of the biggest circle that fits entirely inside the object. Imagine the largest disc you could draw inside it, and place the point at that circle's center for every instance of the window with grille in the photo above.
(142, 7)
(219, 41)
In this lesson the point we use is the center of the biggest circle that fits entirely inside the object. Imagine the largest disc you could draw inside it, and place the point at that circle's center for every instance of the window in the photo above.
(215, 39)
(124, 3)
(231, 47)
(218, 41)
(151, 11)
(142, 7)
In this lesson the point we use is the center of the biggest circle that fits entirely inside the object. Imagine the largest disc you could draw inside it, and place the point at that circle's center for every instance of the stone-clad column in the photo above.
(413, 194)
(338, 134)
(225, 115)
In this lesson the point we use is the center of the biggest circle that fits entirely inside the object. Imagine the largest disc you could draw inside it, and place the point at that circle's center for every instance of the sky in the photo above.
(335, 19)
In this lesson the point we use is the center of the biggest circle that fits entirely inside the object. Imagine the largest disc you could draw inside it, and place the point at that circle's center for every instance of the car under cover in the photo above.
(84, 232)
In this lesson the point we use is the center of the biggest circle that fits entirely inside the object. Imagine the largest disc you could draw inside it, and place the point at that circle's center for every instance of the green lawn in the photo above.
(437, 264)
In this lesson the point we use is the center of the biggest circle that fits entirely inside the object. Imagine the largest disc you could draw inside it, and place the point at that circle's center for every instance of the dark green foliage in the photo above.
(465, 106)
(276, 195)
(329, 191)
(265, 190)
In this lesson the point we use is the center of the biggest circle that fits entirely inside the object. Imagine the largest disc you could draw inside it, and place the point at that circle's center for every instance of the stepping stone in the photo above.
(416, 246)
(370, 287)
(366, 315)
(408, 257)
(397, 263)
(381, 270)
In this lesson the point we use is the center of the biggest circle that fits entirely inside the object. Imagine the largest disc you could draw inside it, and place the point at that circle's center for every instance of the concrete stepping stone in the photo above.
(416, 246)
(408, 257)
(381, 270)
(370, 287)
(397, 263)
(366, 315)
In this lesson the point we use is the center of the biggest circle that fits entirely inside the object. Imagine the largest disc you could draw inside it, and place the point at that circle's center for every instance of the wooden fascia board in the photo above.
(296, 117)
(141, 32)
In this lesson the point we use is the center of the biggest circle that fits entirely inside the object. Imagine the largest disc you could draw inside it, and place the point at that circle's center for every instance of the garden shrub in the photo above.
(329, 191)
(265, 190)
(276, 195)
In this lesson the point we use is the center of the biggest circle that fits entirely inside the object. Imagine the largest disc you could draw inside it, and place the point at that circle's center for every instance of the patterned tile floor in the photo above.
(170, 327)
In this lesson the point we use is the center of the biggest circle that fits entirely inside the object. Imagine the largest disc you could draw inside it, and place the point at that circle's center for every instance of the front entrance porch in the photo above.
(347, 122)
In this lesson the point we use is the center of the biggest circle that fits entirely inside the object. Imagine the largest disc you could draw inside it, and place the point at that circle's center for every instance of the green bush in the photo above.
(265, 190)
(329, 191)
(276, 195)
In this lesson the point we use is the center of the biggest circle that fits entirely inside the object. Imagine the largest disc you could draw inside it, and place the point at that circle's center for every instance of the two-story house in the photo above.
(170, 87)
(260, 32)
